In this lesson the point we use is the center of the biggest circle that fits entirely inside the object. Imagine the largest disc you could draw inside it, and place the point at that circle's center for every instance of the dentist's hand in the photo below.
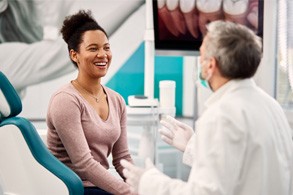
(175, 133)
(133, 173)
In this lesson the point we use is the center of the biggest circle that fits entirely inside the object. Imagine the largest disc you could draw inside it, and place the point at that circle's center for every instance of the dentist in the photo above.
(243, 142)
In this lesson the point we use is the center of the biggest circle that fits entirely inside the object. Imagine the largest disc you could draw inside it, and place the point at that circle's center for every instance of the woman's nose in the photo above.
(101, 55)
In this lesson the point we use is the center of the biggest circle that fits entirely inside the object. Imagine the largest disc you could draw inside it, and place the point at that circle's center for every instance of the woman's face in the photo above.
(94, 56)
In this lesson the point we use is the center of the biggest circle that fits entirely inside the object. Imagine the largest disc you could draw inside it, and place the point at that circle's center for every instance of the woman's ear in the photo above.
(73, 55)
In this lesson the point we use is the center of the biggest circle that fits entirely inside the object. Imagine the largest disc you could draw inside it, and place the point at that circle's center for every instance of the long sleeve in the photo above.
(120, 148)
(188, 155)
(242, 146)
(79, 142)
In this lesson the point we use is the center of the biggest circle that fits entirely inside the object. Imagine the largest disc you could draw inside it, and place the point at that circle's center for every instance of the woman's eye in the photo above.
(93, 49)
(107, 48)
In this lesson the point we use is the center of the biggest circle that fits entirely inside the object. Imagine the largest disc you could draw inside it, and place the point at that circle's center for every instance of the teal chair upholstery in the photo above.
(26, 165)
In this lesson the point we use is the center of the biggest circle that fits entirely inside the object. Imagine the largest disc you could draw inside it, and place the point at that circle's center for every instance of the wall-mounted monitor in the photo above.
(179, 25)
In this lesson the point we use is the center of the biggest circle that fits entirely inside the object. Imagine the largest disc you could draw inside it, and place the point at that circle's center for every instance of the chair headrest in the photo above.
(10, 103)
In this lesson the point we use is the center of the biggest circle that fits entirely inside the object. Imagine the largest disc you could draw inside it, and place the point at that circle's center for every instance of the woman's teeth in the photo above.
(100, 63)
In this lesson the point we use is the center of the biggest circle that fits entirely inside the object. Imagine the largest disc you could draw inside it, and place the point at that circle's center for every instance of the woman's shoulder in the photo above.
(115, 99)
(66, 90)
(113, 94)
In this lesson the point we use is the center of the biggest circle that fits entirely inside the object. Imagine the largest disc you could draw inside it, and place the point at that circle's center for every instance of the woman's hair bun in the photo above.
(73, 23)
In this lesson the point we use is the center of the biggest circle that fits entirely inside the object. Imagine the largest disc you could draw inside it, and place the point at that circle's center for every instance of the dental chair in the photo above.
(26, 165)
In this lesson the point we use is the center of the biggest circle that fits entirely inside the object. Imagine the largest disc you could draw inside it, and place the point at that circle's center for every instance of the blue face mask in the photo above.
(202, 81)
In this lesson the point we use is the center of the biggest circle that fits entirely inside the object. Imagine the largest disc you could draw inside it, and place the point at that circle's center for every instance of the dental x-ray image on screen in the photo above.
(179, 25)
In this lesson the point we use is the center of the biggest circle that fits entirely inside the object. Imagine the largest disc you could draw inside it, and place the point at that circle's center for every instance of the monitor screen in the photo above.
(179, 25)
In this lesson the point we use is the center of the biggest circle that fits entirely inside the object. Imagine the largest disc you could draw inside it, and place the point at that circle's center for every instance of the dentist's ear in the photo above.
(213, 64)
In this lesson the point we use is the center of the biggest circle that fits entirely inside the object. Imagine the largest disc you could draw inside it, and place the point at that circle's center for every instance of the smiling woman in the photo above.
(86, 120)
(93, 57)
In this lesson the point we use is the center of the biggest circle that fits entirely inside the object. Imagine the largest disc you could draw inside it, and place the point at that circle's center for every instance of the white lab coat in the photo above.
(242, 146)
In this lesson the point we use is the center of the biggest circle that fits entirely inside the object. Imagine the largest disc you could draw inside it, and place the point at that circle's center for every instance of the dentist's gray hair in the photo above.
(237, 49)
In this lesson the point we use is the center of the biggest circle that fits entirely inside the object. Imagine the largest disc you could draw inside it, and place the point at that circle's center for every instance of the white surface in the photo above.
(4, 107)
(20, 173)
(149, 65)
(134, 101)
(266, 74)
(189, 92)
(167, 93)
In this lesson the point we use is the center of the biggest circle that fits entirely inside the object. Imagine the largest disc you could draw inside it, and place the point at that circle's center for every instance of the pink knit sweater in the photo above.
(80, 139)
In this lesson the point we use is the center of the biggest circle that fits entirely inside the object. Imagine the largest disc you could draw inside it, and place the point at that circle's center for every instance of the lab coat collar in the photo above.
(229, 86)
